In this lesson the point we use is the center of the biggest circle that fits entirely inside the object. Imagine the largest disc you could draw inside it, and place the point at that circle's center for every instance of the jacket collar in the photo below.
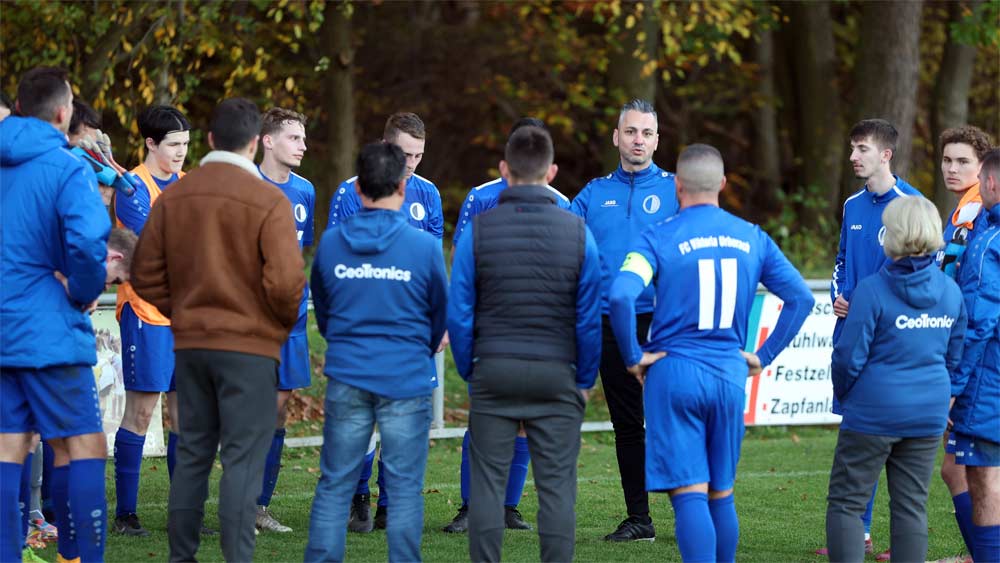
(226, 157)
(646, 173)
(527, 193)
(993, 215)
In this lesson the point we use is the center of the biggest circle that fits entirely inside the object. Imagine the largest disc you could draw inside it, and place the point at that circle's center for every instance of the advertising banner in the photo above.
(796, 388)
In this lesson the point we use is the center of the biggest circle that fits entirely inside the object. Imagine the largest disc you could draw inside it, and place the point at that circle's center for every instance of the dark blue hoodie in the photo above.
(53, 219)
(901, 340)
(380, 293)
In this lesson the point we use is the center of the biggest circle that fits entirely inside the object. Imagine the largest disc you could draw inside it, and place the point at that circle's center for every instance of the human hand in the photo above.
(88, 308)
(585, 394)
(648, 359)
(840, 306)
(753, 364)
(445, 341)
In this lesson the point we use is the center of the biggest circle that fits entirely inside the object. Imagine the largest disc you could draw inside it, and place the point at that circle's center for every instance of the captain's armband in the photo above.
(638, 265)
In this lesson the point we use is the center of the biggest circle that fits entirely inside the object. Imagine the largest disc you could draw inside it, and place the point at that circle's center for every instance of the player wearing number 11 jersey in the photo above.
(706, 264)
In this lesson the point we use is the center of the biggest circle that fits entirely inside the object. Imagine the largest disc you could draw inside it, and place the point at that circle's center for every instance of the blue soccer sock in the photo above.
(366, 474)
(48, 459)
(64, 520)
(171, 454)
(383, 493)
(518, 472)
(89, 507)
(10, 514)
(128, 464)
(272, 465)
(987, 543)
(963, 515)
(727, 528)
(24, 496)
(465, 472)
(693, 527)
(866, 518)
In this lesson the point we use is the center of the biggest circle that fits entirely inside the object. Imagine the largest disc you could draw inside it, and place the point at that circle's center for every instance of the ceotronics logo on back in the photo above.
(367, 272)
(923, 321)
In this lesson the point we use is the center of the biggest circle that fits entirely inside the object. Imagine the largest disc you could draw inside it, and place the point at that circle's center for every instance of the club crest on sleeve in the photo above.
(417, 211)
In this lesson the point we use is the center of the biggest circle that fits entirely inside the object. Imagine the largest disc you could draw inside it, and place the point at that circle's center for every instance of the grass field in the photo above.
(780, 491)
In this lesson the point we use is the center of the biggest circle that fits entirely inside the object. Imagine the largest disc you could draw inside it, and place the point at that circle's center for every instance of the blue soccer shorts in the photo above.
(977, 452)
(949, 443)
(694, 426)
(293, 371)
(147, 354)
(56, 402)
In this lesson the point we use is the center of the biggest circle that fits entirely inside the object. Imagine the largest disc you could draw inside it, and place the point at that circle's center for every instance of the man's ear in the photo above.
(115, 255)
(401, 188)
(551, 174)
(614, 137)
(211, 141)
(504, 171)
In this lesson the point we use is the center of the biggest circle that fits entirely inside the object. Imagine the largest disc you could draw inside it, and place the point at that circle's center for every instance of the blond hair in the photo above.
(912, 227)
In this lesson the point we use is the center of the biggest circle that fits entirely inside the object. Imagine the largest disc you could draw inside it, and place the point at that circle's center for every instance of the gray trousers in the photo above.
(226, 398)
(857, 463)
(504, 392)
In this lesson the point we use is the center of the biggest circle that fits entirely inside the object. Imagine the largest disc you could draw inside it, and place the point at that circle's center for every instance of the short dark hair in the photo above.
(971, 135)
(529, 153)
(156, 122)
(124, 241)
(526, 122)
(403, 122)
(700, 168)
(881, 132)
(42, 91)
(83, 115)
(274, 118)
(991, 164)
(235, 122)
(380, 168)
(639, 105)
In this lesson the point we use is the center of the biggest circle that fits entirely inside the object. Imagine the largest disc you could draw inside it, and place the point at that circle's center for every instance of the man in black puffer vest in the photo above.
(525, 326)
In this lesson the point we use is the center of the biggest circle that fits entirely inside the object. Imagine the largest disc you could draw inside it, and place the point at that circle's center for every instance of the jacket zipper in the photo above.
(631, 187)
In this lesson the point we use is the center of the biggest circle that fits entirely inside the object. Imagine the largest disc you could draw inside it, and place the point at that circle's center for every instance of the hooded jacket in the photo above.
(53, 219)
(617, 208)
(976, 381)
(901, 340)
(380, 293)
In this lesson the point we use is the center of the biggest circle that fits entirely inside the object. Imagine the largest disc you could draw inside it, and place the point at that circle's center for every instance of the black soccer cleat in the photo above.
(460, 523)
(381, 516)
(512, 519)
(360, 520)
(633, 529)
(128, 525)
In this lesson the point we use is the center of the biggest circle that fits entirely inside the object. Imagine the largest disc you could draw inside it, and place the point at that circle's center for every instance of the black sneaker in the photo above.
(360, 520)
(460, 523)
(128, 525)
(381, 515)
(512, 519)
(633, 529)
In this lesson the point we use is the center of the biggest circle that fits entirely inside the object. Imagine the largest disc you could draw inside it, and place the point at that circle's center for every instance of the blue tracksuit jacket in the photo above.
(53, 219)
(484, 197)
(422, 205)
(380, 294)
(617, 207)
(976, 381)
(901, 341)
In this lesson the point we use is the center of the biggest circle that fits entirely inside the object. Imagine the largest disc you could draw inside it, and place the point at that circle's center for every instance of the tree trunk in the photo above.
(950, 107)
(631, 69)
(888, 70)
(820, 134)
(766, 149)
(338, 84)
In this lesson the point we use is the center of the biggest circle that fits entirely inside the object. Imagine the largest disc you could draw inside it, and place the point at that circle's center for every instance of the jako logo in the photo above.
(367, 272)
(651, 204)
(855, 227)
(417, 211)
(609, 203)
(923, 321)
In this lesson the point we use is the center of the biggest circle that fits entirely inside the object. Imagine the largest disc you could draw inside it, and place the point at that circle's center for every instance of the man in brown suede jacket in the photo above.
(219, 256)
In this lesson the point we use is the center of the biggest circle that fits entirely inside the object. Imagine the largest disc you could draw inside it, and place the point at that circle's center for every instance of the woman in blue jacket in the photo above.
(902, 338)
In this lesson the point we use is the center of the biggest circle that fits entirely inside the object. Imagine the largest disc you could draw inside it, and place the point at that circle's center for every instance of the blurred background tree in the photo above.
(774, 85)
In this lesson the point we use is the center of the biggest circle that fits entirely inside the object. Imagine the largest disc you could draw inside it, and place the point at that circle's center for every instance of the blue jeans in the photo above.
(404, 425)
